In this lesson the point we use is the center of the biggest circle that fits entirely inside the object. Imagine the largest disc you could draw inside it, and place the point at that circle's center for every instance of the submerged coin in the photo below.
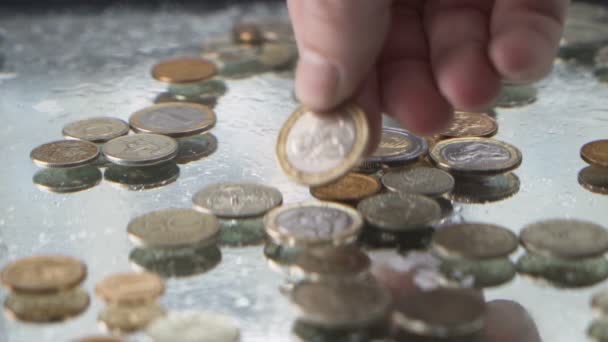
(248, 231)
(481, 273)
(399, 211)
(141, 178)
(247, 33)
(175, 119)
(65, 153)
(315, 149)
(194, 327)
(594, 179)
(47, 307)
(351, 188)
(398, 146)
(97, 130)
(44, 274)
(237, 200)
(516, 96)
(485, 188)
(596, 153)
(562, 272)
(599, 302)
(130, 288)
(140, 150)
(420, 180)
(121, 319)
(474, 241)
(565, 238)
(184, 70)
(468, 124)
(176, 262)
(67, 180)
(195, 148)
(332, 262)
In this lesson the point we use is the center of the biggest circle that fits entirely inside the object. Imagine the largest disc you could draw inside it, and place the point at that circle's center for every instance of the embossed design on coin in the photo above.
(65, 153)
(596, 153)
(184, 70)
(97, 130)
(194, 327)
(130, 288)
(237, 200)
(399, 211)
(475, 156)
(175, 119)
(42, 308)
(420, 180)
(474, 241)
(140, 149)
(594, 179)
(44, 274)
(398, 146)
(468, 124)
(352, 187)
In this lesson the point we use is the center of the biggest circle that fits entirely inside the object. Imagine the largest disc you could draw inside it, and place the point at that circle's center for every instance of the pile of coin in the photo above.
(598, 329)
(595, 176)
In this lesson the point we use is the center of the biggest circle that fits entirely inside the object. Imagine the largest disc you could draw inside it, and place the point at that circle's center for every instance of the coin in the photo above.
(599, 302)
(398, 146)
(596, 153)
(184, 70)
(481, 273)
(399, 211)
(140, 150)
(195, 148)
(598, 330)
(174, 227)
(277, 55)
(474, 241)
(44, 274)
(242, 231)
(485, 188)
(565, 238)
(98, 339)
(141, 178)
(247, 33)
(313, 223)
(594, 179)
(96, 130)
(420, 180)
(130, 288)
(176, 262)
(475, 156)
(335, 262)
(46, 307)
(351, 188)
(64, 153)
(563, 273)
(237, 200)
(341, 304)
(191, 326)
(124, 319)
(516, 96)
(316, 149)
(175, 119)
(67, 180)
(207, 89)
(468, 124)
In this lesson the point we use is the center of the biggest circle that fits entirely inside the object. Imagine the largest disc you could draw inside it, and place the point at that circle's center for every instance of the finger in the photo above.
(525, 37)
(508, 321)
(458, 38)
(338, 41)
(367, 98)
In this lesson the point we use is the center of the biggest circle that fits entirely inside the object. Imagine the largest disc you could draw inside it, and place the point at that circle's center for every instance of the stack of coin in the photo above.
(565, 252)
(595, 176)
(175, 242)
(598, 329)
(131, 300)
(193, 327)
(45, 288)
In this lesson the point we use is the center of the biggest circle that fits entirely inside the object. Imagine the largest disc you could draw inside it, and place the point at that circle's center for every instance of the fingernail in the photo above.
(317, 81)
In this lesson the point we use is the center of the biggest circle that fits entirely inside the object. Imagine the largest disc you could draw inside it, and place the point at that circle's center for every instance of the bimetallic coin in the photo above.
(399, 212)
(125, 319)
(140, 150)
(483, 189)
(351, 188)
(130, 288)
(398, 146)
(184, 70)
(195, 148)
(67, 180)
(175, 119)
(479, 273)
(562, 273)
(65, 153)
(96, 130)
(516, 96)
(474, 241)
(599, 302)
(315, 149)
(566, 239)
(141, 178)
(247, 33)
(313, 223)
(475, 156)
(44, 274)
(193, 327)
(420, 180)
(468, 124)
(596, 153)
(237, 200)
(176, 262)
(42, 308)
(332, 262)
(594, 179)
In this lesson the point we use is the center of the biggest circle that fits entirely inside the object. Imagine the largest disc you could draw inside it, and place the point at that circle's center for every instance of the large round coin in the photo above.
(184, 70)
(468, 124)
(44, 274)
(566, 239)
(480, 156)
(65, 153)
(140, 149)
(398, 146)
(130, 288)
(175, 119)
(97, 130)
(351, 188)
(194, 327)
(316, 149)
(237, 200)
(421, 180)
(399, 212)
(474, 241)
(596, 153)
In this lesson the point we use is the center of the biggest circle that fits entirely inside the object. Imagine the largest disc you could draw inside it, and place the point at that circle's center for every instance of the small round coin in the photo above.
(475, 156)
(175, 119)
(44, 274)
(315, 149)
(96, 130)
(468, 124)
(140, 150)
(65, 153)
(399, 212)
(474, 241)
(565, 238)
(594, 179)
(67, 180)
(184, 70)
(130, 288)
(420, 180)
(324, 262)
(237, 200)
(47, 307)
(398, 146)
(596, 153)
(193, 327)
(351, 188)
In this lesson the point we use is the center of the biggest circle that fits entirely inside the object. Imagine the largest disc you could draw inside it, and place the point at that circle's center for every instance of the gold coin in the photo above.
(468, 124)
(44, 274)
(596, 153)
(183, 70)
(247, 33)
(130, 288)
(119, 318)
(351, 188)
(46, 307)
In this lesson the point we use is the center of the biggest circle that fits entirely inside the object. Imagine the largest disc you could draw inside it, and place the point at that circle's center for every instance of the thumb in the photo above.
(338, 41)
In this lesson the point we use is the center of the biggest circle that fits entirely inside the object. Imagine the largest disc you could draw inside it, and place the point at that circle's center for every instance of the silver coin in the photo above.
(191, 326)
(474, 241)
(237, 200)
(399, 211)
(140, 149)
(142, 178)
(421, 180)
(398, 146)
(175, 119)
(68, 180)
(97, 130)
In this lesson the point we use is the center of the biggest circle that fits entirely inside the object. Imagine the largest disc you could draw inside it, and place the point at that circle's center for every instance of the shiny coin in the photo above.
(598, 330)
(247, 33)
(516, 96)
(174, 227)
(98, 339)
(237, 200)
(399, 211)
(140, 149)
(420, 180)
(242, 231)
(207, 89)
(474, 241)
(596, 153)
(141, 178)
(479, 273)
(468, 124)
(398, 146)
(47, 307)
(67, 180)
(184, 70)
(475, 156)
(316, 149)
(324, 262)
(173, 119)
(44, 274)
(176, 262)
(313, 223)
(599, 302)
(277, 56)
(563, 273)
(124, 319)
(567, 239)
(65, 153)
(130, 288)
(351, 188)
(594, 179)
(97, 130)
(195, 148)
(194, 327)
(485, 188)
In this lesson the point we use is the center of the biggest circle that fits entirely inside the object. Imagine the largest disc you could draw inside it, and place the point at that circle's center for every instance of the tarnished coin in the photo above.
(479, 273)
(140, 150)
(98, 339)
(237, 200)
(468, 124)
(596, 153)
(67, 180)
(130, 288)
(420, 180)
(341, 304)
(125, 319)
(516, 96)
(46, 307)
(44, 274)
(144, 177)
(399, 212)
(195, 148)
(475, 156)
(247, 33)
(485, 188)
(599, 302)
(474, 241)
(191, 326)
(565, 238)
(324, 262)
(174, 227)
(175, 119)
(594, 179)
(313, 223)
(65, 153)
(97, 130)
(184, 70)
(351, 188)
(563, 273)
(316, 149)
(398, 146)
(176, 262)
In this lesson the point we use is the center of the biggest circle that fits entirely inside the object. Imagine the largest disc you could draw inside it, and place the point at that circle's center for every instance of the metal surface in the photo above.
(73, 66)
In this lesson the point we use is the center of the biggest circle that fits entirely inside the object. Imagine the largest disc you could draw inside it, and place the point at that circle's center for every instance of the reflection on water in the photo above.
(54, 307)
(480, 273)
(195, 148)
(67, 180)
(168, 97)
(177, 262)
(564, 273)
(594, 179)
(485, 189)
(404, 241)
(242, 232)
(311, 333)
(144, 177)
